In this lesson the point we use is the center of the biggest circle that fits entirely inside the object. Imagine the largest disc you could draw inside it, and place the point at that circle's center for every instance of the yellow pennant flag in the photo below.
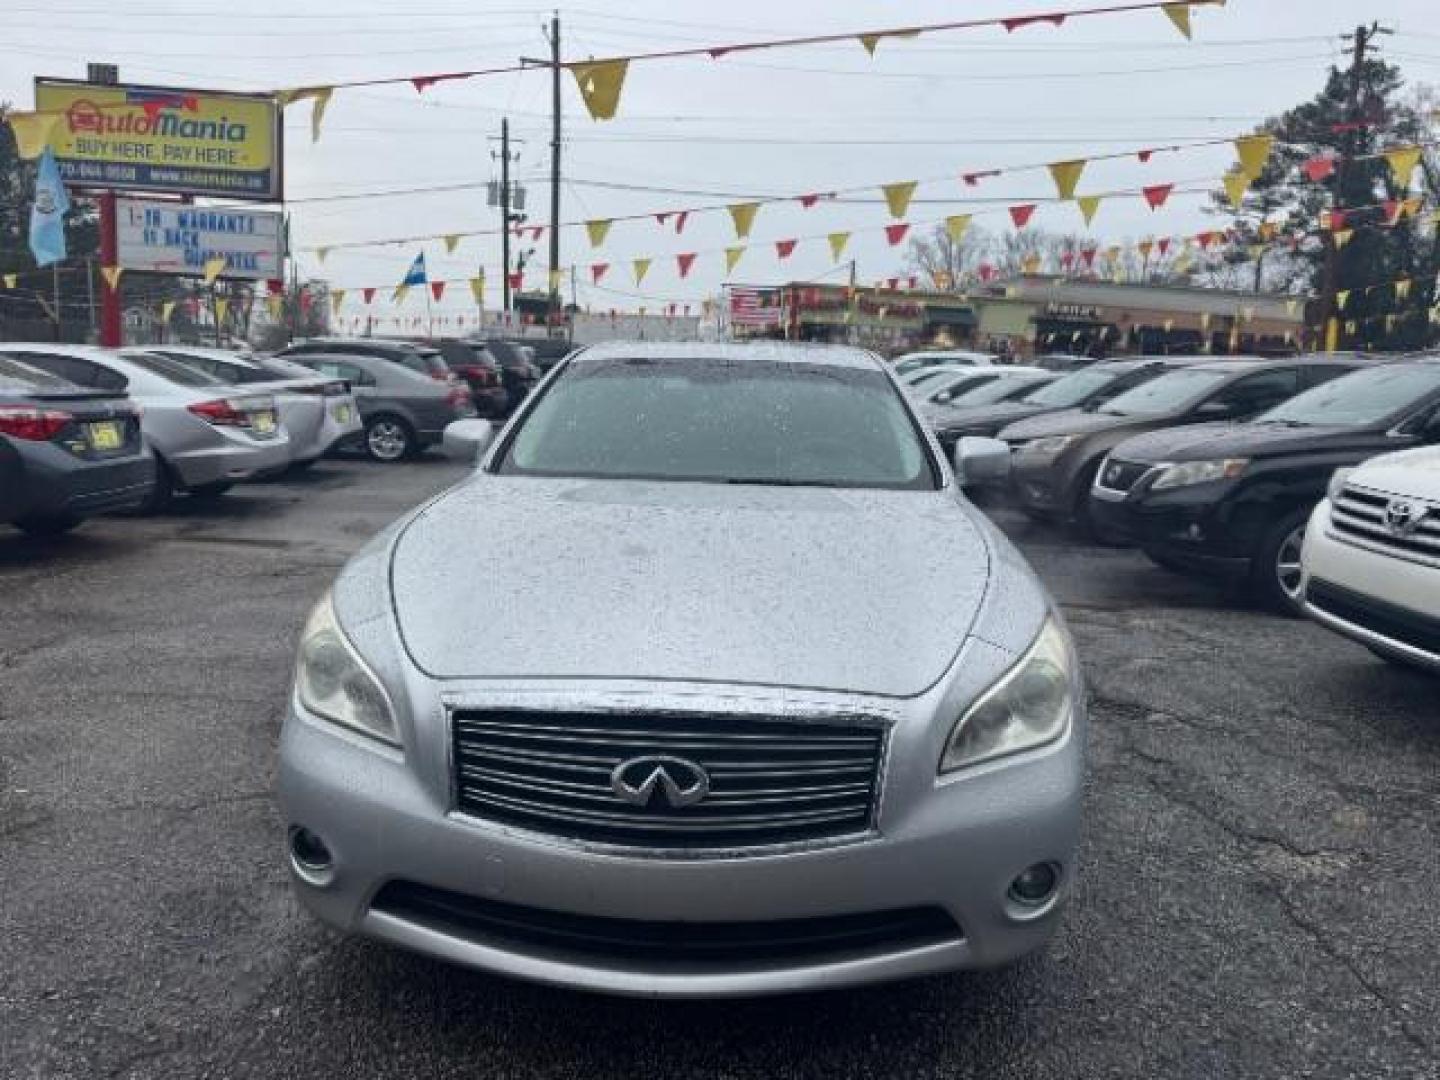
(400, 293)
(732, 256)
(111, 274)
(213, 269)
(321, 253)
(477, 289)
(838, 240)
(1341, 299)
(1402, 164)
(600, 85)
(956, 226)
(1236, 184)
(32, 131)
(168, 308)
(743, 215)
(1180, 16)
(898, 196)
(1030, 264)
(1402, 289)
(222, 308)
(1342, 237)
(1293, 306)
(1088, 205)
(337, 297)
(274, 303)
(12, 281)
(641, 268)
(320, 95)
(1254, 152)
(597, 231)
(555, 278)
(870, 41)
(1145, 247)
(1066, 175)
(452, 241)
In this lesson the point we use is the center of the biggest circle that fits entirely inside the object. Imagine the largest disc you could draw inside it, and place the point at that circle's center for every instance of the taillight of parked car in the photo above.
(257, 415)
(459, 398)
(32, 425)
(478, 374)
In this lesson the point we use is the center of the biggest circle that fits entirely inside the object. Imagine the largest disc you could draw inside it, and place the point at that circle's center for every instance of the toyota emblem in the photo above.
(1402, 517)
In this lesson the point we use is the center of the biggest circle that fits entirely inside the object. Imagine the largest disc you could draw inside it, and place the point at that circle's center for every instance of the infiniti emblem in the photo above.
(1402, 517)
(675, 781)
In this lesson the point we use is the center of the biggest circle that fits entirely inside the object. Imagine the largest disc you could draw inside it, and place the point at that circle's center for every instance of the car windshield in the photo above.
(285, 369)
(719, 420)
(946, 391)
(1164, 395)
(171, 370)
(1071, 390)
(15, 375)
(1359, 399)
(989, 393)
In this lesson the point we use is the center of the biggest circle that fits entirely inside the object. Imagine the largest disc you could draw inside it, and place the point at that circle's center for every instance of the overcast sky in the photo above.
(783, 122)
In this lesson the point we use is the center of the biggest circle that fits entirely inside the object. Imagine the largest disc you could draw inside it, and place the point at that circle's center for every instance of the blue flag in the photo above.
(47, 215)
(416, 274)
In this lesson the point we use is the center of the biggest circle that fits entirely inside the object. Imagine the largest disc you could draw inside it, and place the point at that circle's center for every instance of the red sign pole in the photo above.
(109, 256)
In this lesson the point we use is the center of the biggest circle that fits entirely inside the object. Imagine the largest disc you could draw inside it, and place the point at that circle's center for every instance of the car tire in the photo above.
(1081, 517)
(388, 438)
(163, 493)
(1275, 565)
(48, 525)
(209, 492)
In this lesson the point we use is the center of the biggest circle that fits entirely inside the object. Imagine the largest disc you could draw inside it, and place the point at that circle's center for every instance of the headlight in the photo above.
(1338, 480)
(333, 682)
(1051, 445)
(1028, 707)
(1199, 472)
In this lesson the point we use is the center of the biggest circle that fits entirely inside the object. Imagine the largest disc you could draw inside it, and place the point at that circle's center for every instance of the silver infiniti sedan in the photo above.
(754, 701)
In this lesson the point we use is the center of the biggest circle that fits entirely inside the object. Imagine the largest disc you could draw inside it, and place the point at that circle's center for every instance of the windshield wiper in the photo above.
(767, 481)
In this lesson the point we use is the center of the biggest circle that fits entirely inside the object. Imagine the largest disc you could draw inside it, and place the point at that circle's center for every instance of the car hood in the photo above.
(1074, 422)
(988, 416)
(1200, 442)
(522, 577)
(1411, 472)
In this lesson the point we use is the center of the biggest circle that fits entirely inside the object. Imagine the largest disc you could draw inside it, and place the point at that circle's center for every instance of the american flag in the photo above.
(754, 307)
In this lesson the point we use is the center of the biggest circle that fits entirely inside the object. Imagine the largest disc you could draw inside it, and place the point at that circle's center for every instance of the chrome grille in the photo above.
(1359, 515)
(1117, 475)
(770, 780)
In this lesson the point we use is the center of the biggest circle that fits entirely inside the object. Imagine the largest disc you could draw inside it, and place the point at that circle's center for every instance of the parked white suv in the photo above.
(1371, 560)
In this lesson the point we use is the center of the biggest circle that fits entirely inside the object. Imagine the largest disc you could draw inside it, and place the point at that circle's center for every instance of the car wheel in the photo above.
(52, 525)
(1082, 514)
(207, 492)
(388, 438)
(163, 493)
(1275, 568)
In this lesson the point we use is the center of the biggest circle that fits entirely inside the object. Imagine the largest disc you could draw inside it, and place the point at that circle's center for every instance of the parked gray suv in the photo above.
(401, 410)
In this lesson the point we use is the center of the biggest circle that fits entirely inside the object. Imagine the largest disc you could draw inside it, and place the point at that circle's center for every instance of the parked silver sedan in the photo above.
(317, 413)
(760, 704)
(206, 435)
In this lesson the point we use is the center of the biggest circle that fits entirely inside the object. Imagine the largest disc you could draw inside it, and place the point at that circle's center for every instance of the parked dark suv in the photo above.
(1055, 457)
(418, 357)
(1233, 499)
(473, 364)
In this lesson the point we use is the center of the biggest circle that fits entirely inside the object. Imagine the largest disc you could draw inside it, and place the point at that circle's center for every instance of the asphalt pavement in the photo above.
(1257, 893)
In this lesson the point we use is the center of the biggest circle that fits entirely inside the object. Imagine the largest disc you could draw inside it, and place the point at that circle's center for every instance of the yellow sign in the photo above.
(145, 138)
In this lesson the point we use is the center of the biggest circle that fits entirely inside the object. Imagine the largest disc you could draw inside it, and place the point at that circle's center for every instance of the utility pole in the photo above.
(554, 172)
(1364, 40)
(505, 218)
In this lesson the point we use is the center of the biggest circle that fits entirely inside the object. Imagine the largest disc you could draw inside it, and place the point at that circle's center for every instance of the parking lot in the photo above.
(1257, 891)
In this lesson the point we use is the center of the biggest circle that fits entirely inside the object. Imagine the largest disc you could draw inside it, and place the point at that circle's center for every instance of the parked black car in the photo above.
(1086, 389)
(547, 351)
(1056, 456)
(66, 452)
(479, 370)
(517, 373)
(1234, 499)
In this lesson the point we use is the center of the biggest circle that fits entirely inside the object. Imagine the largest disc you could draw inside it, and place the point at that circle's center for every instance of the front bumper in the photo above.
(1039, 484)
(1189, 527)
(955, 845)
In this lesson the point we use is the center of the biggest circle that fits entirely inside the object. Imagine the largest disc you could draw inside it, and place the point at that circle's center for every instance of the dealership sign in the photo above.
(174, 238)
(183, 142)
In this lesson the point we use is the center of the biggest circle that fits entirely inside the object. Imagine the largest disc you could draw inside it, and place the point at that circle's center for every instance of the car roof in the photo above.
(775, 352)
(208, 351)
(82, 352)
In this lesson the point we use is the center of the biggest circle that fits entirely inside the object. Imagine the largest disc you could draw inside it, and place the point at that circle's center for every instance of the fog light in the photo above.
(1036, 885)
(309, 856)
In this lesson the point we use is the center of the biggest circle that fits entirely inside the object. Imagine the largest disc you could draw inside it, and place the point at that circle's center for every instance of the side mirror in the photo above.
(467, 440)
(980, 461)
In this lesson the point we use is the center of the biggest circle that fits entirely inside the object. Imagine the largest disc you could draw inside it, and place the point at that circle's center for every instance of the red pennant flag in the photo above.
(785, 248)
(368, 294)
(973, 178)
(422, 83)
(684, 262)
(597, 271)
(437, 289)
(1156, 194)
(1011, 25)
(1067, 259)
(680, 219)
(1145, 156)
(1020, 215)
(1336, 220)
(986, 271)
(517, 280)
(911, 281)
(808, 201)
(1319, 167)
(663, 217)
(537, 232)
(895, 233)
(1089, 256)
(1163, 244)
(892, 283)
(1392, 211)
(274, 286)
(1206, 239)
